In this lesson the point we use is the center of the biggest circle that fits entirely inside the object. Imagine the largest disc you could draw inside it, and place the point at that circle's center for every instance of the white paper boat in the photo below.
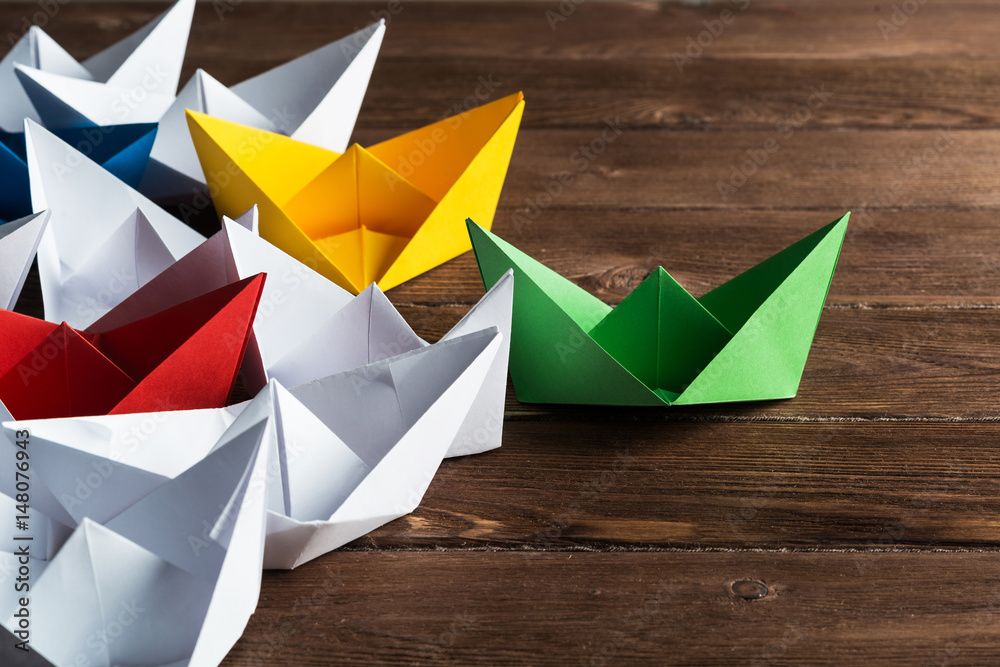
(349, 452)
(18, 242)
(307, 327)
(170, 576)
(132, 81)
(314, 98)
(103, 240)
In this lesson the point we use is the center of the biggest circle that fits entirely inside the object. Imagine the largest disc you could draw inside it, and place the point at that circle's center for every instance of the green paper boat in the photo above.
(746, 340)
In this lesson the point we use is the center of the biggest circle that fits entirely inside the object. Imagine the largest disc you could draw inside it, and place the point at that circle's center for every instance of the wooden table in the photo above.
(858, 523)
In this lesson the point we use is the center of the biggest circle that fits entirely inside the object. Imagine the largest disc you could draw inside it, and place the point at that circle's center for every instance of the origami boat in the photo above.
(384, 214)
(746, 340)
(103, 241)
(133, 81)
(351, 451)
(180, 358)
(168, 578)
(18, 242)
(121, 149)
(35, 49)
(308, 328)
(314, 98)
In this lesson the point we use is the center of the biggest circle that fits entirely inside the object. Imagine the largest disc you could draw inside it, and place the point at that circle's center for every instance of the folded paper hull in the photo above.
(383, 214)
(123, 150)
(183, 357)
(746, 340)
(176, 568)
(351, 451)
(103, 239)
(19, 241)
(44, 83)
(133, 81)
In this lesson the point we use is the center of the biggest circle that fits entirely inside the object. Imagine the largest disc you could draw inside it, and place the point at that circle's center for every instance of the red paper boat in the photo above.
(181, 358)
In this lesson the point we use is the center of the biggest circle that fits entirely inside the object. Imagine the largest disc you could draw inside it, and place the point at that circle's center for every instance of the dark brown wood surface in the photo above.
(858, 523)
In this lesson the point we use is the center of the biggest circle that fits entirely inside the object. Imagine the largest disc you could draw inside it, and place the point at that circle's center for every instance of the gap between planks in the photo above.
(829, 306)
(614, 548)
(542, 415)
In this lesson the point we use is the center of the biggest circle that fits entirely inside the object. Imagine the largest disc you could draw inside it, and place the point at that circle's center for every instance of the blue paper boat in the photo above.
(121, 149)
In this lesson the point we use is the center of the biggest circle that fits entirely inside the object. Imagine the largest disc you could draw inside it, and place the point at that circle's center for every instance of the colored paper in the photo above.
(121, 149)
(746, 340)
(182, 357)
(103, 241)
(308, 328)
(314, 98)
(383, 214)
(351, 451)
(169, 576)
(18, 242)
(132, 81)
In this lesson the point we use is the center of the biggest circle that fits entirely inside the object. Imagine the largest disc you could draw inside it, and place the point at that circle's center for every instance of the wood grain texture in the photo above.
(703, 95)
(627, 608)
(915, 169)
(633, 480)
(865, 363)
(866, 506)
(594, 31)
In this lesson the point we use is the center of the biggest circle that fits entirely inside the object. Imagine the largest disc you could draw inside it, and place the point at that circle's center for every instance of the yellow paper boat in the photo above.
(382, 214)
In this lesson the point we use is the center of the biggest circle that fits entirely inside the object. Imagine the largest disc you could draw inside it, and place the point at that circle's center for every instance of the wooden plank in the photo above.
(650, 91)
(841, 170)
(900, 258)
(641, 481)
(628, 608)
(878, 363)
(524, 30)
(708, 94)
